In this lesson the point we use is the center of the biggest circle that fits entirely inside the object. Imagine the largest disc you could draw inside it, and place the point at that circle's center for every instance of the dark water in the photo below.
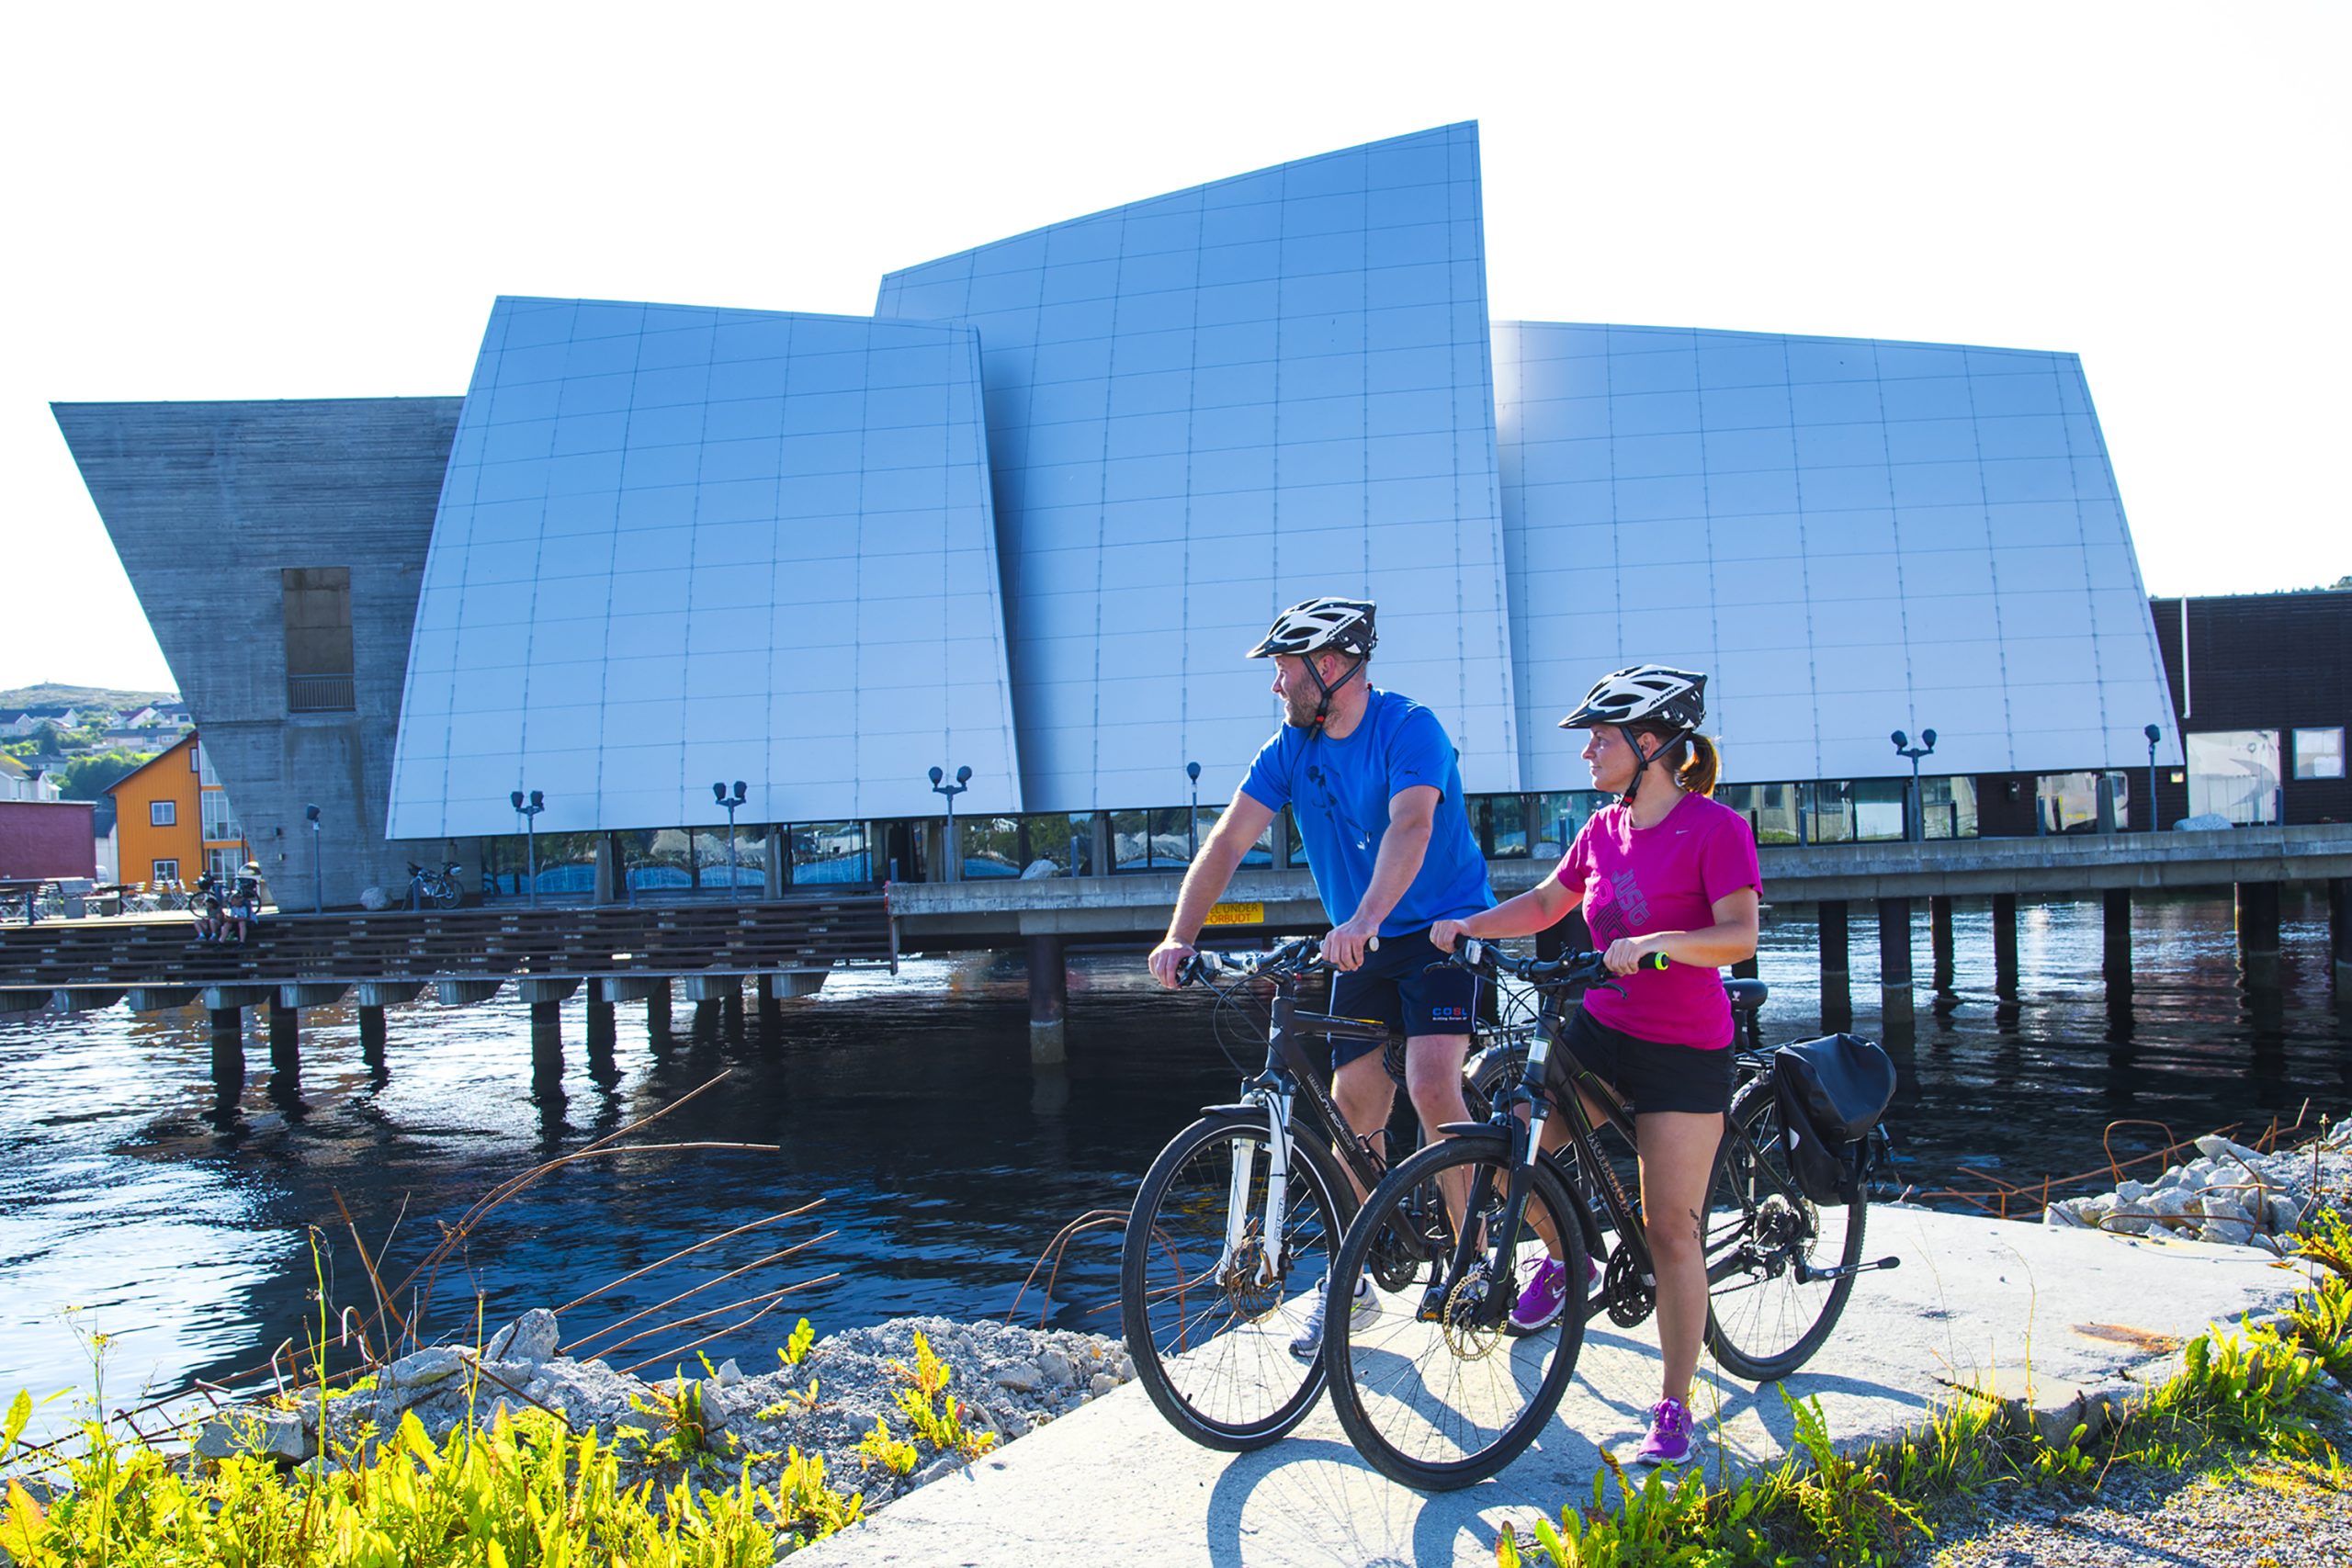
(129, 1207)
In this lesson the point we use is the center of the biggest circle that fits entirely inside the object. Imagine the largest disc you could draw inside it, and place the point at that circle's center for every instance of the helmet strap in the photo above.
(1329, 690)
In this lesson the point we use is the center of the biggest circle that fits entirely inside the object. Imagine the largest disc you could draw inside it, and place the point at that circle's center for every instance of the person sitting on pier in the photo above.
(1376, 787)
(1666, 870)
(244, 903)
(205, 902)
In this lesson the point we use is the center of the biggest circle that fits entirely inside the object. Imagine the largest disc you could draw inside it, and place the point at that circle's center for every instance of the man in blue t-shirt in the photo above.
(1374, 783)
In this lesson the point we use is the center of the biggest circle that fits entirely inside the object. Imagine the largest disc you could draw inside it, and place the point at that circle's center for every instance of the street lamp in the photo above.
(529, 811)
(963, 782)
(318, 870)
(1927, 748)
(2154, 735)
(718, 793)
(1193, 823)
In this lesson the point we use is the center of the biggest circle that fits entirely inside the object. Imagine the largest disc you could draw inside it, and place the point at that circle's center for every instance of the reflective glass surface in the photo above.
(1849, 536)
(1209, 405)
(679, 545)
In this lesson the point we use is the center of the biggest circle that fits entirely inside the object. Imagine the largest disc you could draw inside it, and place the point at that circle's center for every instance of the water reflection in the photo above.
(144, 1177)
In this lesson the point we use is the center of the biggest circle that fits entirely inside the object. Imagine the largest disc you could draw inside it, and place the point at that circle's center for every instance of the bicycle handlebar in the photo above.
(1295, 956)
(1483, 957)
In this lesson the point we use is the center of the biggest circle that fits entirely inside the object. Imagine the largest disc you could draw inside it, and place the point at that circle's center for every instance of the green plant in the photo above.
(803, 1399)
(880, 1448)
(797, 1347)
(931, 1411)
(682, 1433)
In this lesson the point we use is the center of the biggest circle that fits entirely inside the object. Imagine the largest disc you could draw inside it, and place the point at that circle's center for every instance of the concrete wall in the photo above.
(207, 503)
(46, 838)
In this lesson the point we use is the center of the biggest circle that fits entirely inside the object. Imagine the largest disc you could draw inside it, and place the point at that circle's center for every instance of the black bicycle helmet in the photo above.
(1674, 698)
(1343, 626)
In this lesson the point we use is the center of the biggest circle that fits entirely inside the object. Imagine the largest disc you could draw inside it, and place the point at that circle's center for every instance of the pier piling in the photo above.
(1939, 945)
(1048, 997)
(1837, 967)
(2258, 934)
(768, 1013)
(1894, 958)
(602, 1034)
(285, 1041)
(2339, 927)
(2004, 946)
(2116, 964)
(657, 1015)
(227, 1055)
(547, 1043)
(371, 1036)
(731, 1011)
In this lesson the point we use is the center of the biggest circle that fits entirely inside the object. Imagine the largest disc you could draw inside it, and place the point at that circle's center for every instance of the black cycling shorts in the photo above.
(1654, 1077)
(1396, 986)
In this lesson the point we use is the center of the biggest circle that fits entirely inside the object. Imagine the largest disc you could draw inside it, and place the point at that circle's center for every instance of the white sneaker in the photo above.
(1362, 1310)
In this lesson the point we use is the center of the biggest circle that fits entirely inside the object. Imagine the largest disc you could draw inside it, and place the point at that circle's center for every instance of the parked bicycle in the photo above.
(433, 888)
(1236, 1223)
(1437, 1391)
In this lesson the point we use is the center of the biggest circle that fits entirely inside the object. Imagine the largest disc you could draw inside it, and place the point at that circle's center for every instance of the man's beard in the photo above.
(1298, 716)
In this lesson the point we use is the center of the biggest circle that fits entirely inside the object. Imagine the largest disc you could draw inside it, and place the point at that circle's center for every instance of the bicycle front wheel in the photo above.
(1768, 1249)
(1444, 1401)
(1213, 1304)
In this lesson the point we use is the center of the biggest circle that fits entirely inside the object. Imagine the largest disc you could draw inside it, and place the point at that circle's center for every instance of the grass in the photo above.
(520, 1491)
(2246, 1398)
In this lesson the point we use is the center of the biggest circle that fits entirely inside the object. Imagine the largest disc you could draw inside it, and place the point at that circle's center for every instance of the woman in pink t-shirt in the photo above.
(1664, 870)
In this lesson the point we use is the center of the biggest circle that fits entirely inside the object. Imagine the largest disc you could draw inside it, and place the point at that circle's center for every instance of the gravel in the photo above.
(2229, 1193)
(1005, 1380)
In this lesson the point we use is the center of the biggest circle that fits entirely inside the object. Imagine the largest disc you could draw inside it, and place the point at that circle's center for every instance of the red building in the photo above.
(47, 838)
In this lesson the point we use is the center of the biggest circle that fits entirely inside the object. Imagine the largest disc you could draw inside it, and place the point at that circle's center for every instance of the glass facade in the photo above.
(1849, 536)
(677, 546)
(1209, 405)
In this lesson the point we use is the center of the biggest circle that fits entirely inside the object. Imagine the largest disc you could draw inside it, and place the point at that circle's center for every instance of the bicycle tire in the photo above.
(1763, 1323)
(1499, 1388)
(1219, 1364)
(445, 895)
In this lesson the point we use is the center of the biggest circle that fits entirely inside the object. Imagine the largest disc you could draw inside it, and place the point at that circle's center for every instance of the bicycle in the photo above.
(437, 888)
(1446, 1394)
(1235, 1226)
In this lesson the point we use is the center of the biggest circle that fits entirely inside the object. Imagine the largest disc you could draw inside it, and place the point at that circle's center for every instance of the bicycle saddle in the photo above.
(1747, 996)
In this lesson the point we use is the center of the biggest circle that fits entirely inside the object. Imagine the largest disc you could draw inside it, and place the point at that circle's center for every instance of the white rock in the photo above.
(428, 1366)
(2131, 1225)
(2062, 1217)
(1021, 1377)
(2215, 1146)
(729, 1374)
(1055, 1366)
(374, 898)
(530, 1337)
(2228, 1232)
(2132, 1192)
(272, 1434)
(1103, 1382)
(2170, 1202)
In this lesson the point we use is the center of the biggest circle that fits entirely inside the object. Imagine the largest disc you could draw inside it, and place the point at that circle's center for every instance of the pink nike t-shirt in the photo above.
(1665, 878)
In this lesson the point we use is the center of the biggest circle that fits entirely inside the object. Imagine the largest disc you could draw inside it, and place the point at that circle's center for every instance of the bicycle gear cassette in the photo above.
(1630, 1298)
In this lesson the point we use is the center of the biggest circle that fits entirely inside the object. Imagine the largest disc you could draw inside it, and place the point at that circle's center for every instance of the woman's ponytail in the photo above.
(1700, 769)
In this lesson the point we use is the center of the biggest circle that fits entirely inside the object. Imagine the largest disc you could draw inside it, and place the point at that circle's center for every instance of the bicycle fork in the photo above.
(1270, 1260)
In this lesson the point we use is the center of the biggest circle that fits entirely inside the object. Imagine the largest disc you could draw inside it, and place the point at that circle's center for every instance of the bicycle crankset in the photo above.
(1630, 1298)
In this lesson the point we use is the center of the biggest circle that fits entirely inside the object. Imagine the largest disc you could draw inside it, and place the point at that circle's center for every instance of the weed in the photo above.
(931, 1411)
(879, 1449)
(797, 1347)
(793, 1398)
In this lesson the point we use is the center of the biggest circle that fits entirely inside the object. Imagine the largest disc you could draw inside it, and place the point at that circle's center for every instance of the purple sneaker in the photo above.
(1546, 1292)
(1670, 1438)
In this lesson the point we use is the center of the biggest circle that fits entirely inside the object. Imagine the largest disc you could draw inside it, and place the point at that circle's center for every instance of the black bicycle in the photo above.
(1441, 1392)
(1230, 1241)
(433, 887)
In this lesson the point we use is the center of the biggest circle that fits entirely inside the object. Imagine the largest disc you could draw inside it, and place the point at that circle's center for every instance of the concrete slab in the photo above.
(161, 998)
(312, 993)
(18, 1000)
(627, 987)
(386, 993)
(1976, 1300)
(465, 993)
(537, 992)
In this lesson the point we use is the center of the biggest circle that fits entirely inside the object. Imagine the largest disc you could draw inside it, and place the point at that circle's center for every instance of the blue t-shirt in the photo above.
(1340, 790)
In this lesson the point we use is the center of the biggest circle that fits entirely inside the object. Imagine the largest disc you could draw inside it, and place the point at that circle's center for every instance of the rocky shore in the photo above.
(723, 1421)
(2230, 1194)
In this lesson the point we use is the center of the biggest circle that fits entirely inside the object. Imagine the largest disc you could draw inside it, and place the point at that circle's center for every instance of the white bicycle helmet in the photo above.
(1312, 626)
(1674, 698)
(1343, 626)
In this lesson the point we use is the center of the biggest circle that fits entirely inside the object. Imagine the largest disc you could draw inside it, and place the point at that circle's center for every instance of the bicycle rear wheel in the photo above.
(1209, 1334)
(1765, 1319)
(1441, 1405)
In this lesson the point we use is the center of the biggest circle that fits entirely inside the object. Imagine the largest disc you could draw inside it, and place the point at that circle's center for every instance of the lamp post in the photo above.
(318, 870)
(1193, 823)
(1927, 748)
(955, 866)
(529, 811)
(718, 793)
(2154, 735)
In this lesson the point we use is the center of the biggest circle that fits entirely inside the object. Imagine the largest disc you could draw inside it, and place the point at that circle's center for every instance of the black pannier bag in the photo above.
(1832, 1092)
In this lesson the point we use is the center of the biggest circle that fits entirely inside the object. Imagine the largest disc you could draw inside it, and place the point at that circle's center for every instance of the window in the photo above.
(198, 765)
(225, 862)
(163, 871)
(220, 821)
(318, 639)
(2234, 773)
(2319, 754)
(163, 813)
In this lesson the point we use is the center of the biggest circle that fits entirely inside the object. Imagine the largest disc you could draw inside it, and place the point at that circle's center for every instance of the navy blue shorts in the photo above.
(1396, 986)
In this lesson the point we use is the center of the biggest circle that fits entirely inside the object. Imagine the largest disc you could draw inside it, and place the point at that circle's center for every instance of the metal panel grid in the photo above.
(1852, 536)
(1209, 405)
(678, 545)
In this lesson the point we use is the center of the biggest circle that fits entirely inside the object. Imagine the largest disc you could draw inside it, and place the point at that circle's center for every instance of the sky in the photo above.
(306, 201)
